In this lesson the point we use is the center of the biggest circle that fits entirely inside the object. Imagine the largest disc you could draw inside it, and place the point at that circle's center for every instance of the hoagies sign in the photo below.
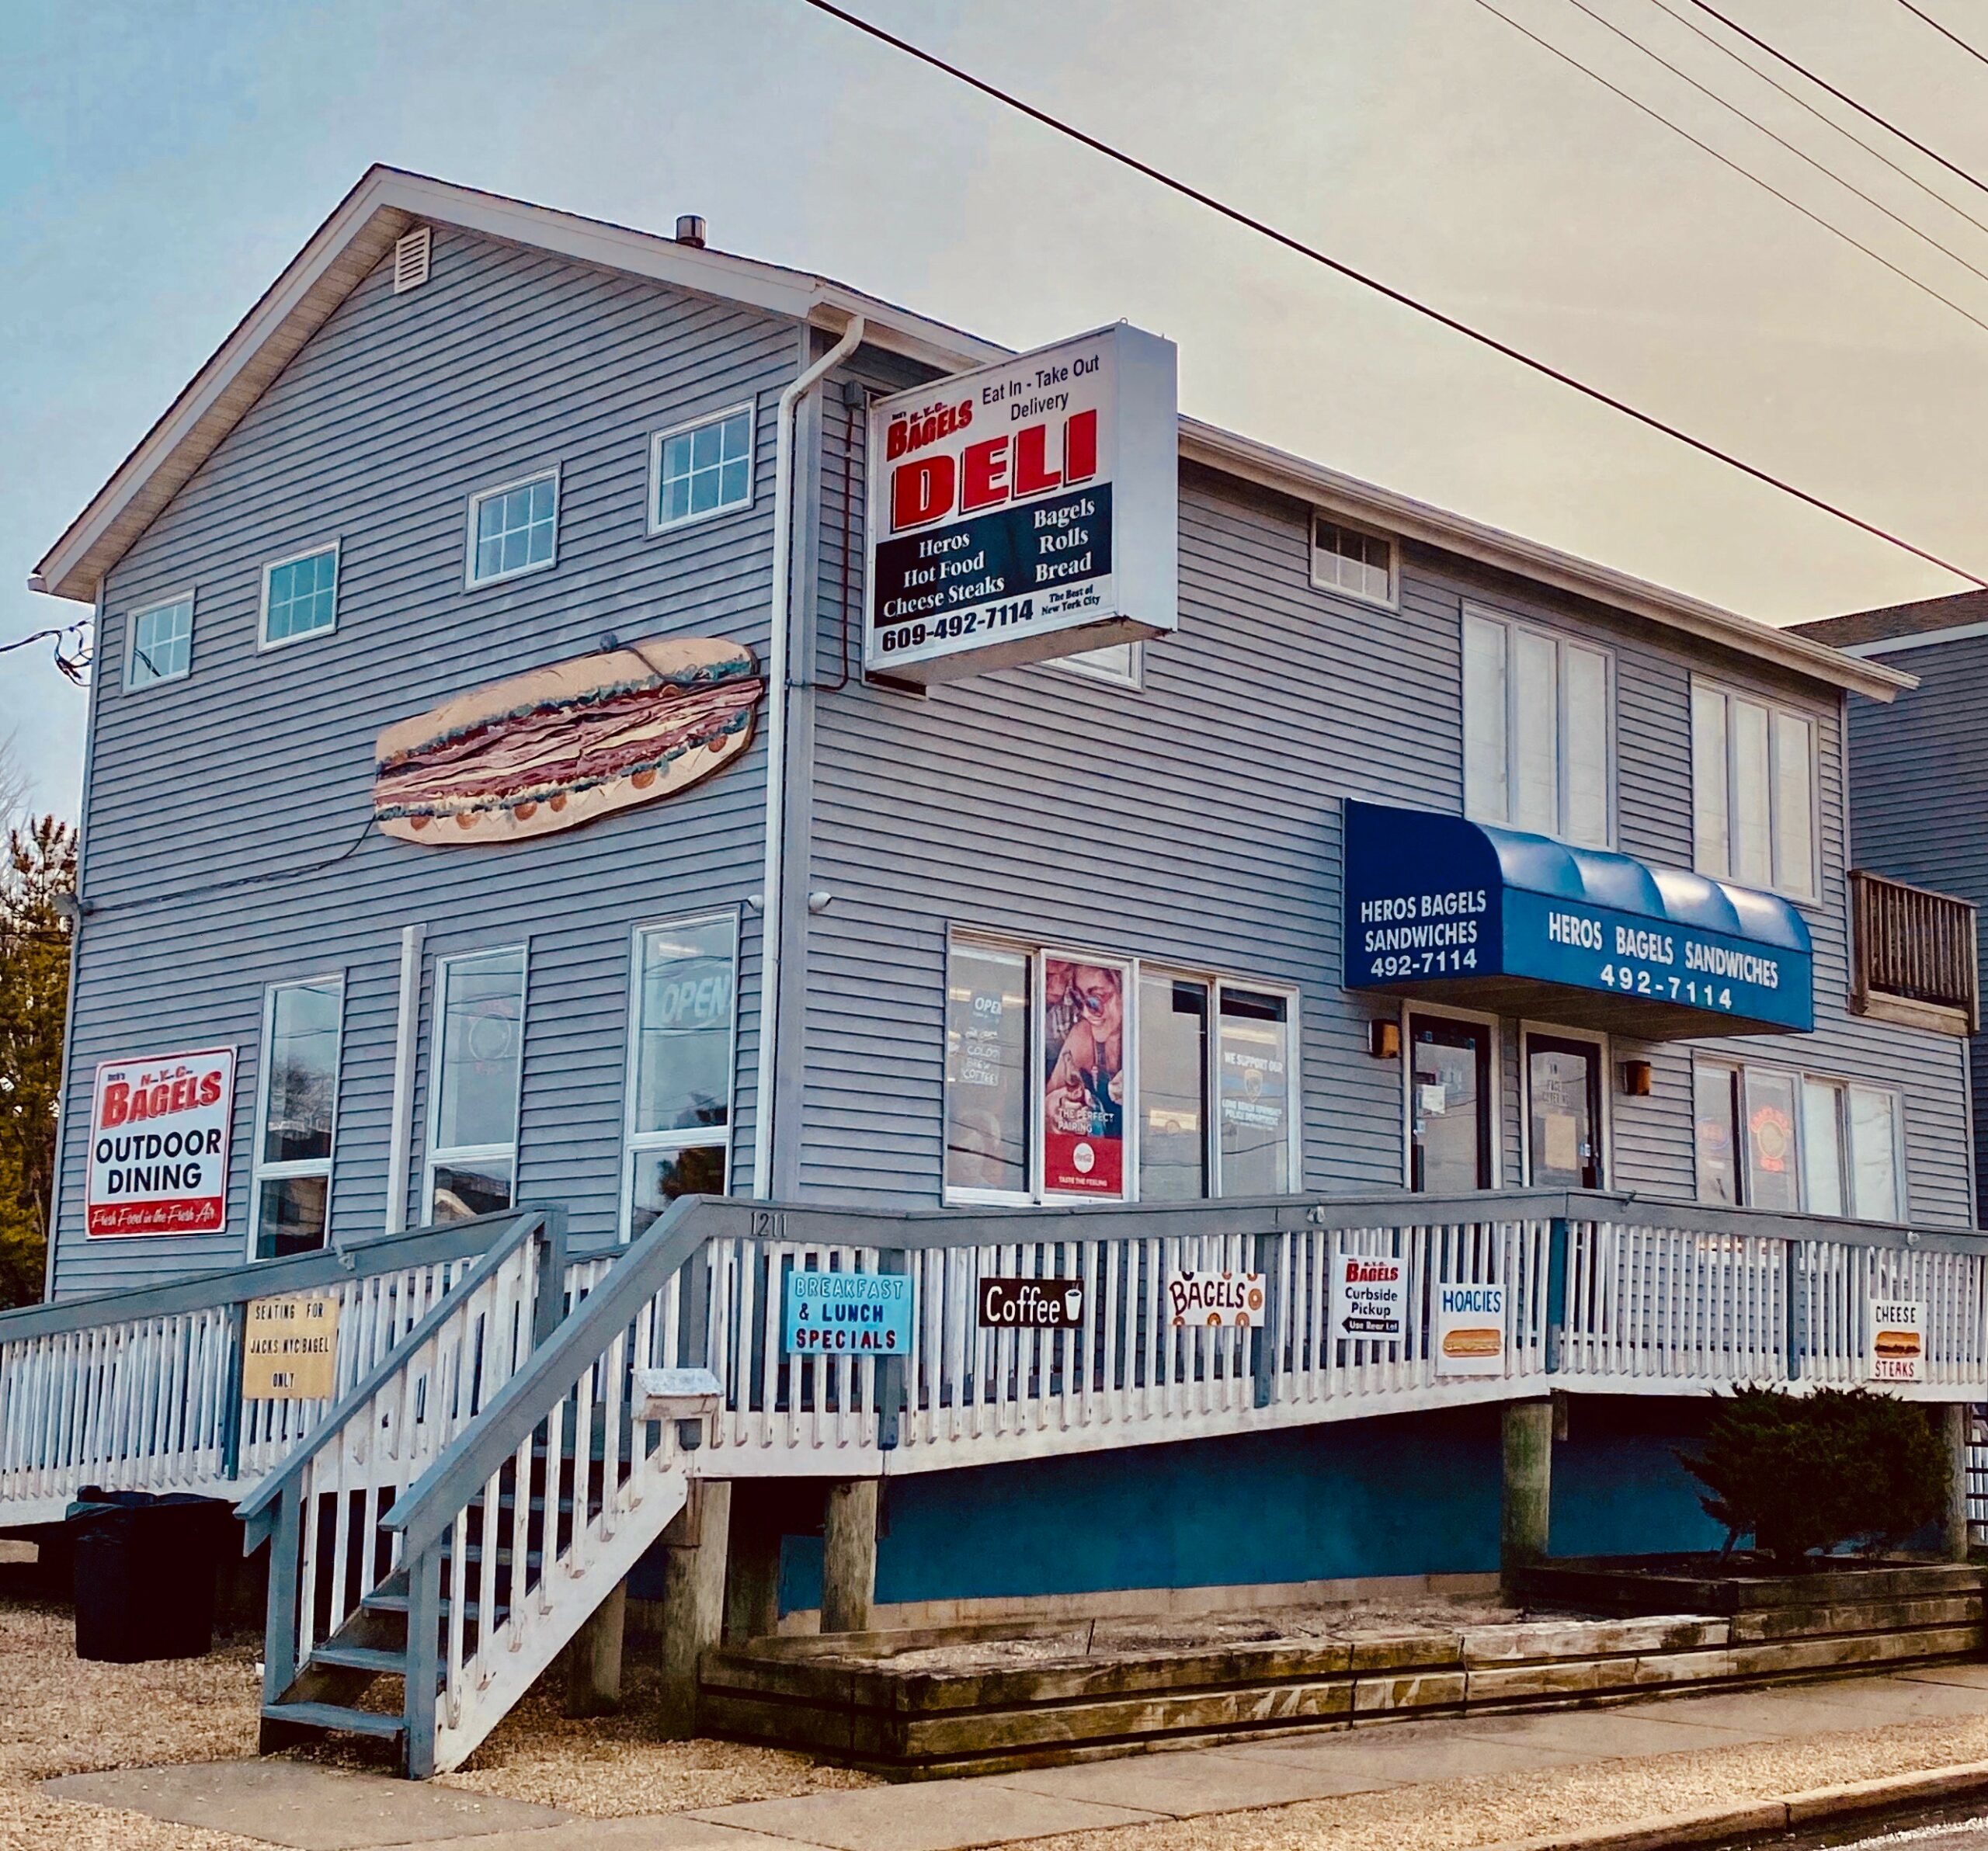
(158, 1145)
(1024, 510)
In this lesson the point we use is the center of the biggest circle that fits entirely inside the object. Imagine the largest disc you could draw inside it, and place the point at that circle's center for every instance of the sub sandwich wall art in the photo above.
(562, 745)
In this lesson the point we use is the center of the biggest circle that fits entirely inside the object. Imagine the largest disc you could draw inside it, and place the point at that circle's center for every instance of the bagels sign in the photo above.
(158, 1145)
(1025, 510)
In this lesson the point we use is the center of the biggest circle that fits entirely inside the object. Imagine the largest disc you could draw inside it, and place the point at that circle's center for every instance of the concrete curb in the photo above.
(1716, 1825)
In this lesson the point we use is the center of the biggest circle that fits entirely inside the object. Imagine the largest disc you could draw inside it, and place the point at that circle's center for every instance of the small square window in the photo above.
(161, 643)
(1120, 662)
(300, 597)
(700, 470)
(514, 529)
(1344, 559)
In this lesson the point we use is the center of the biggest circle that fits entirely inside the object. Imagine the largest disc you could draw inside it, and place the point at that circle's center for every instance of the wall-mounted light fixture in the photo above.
(1635, 1079)
(1383, 1040)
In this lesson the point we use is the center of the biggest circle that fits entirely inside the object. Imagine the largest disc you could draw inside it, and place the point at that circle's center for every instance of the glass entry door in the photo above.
(1563, 1097)
(1449, 1105)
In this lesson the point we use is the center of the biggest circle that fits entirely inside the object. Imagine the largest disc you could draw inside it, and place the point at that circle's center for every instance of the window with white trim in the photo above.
(300, 597)
(1773, 1138)
(681, 1037)
(473, 1104)
(297, 1123)
(1753, 807)
(1121, 664)
(1344, 559)
(159, 642)
(699, 470)
(1539, 731)
(514, 529)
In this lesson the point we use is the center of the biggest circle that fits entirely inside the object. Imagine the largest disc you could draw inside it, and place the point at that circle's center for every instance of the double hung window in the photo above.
(1539, 749)
(1768, 1137)
(473, 1112)
(1344, 559)
(297, 1120)
(160, 645)
(300, 597)
(701, 469)
(1752, 792)
(680, 1064)
(514, 529)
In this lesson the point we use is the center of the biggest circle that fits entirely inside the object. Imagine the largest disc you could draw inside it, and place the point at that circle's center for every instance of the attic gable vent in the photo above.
(411, 260)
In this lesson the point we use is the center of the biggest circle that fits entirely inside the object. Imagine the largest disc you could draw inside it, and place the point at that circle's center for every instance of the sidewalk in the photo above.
(1418, 1784)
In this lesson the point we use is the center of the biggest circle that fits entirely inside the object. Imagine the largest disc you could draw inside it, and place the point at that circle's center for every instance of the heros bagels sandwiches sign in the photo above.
(1025, 510)
(158, 1145)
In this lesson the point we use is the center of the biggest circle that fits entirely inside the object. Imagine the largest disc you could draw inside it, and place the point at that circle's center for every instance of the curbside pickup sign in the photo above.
(1024, 510)
(847, 1315)
(158, 1145)
(1370, 1298)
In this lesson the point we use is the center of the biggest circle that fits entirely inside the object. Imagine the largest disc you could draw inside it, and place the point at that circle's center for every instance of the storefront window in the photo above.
(1255, 1091)
(1874, 1156)
(1820, 1145)
(1715, 1119)
(1772, 1180)
(987, 1014)
(473, 1145)
(299, 1114)
(1173, 1079)
(680, 1106)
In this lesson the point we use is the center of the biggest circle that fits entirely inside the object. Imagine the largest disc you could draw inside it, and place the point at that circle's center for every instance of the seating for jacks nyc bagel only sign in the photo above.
(1024, 510)
(158, 1145)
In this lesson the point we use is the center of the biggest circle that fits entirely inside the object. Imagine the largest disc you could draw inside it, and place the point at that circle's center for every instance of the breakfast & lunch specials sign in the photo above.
(158, 1145)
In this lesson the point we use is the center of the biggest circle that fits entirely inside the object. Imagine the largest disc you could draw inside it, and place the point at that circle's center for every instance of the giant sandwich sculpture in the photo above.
(562, 745)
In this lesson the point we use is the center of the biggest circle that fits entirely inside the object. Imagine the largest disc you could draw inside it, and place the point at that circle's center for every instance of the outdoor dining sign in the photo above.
(159, 1130)
(846, 1314)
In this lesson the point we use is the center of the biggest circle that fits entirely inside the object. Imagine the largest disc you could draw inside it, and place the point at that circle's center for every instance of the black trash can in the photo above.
(145, 1574)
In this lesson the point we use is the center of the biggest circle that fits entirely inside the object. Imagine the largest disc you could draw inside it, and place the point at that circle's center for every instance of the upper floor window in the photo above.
(1344, 559)
(1539, 746)
(300, 597)
(472, 1114)
(299, 1115)
(514, 529)
(160, 642)
(700, 469)
(1752, 792)
(680, 1064)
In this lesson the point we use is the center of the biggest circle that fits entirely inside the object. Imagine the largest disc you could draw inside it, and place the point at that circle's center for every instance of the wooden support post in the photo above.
(696, 1545)
(1954, 1541)
(752, 1581)
(848, 1556)
(593, 1658)
(1528, 1491)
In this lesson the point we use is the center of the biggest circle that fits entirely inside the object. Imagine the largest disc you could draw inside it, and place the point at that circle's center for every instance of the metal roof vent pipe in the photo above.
(691, 230)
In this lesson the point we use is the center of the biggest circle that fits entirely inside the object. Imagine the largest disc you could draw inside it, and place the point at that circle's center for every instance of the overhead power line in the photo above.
(1823, 83)
(1943, 31)
(1399, 297)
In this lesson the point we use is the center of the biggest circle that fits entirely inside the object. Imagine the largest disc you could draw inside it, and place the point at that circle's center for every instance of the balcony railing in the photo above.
(1915, 956)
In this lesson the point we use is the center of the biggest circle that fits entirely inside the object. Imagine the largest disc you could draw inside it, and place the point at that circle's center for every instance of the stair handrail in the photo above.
(427, 1507)
(260, 1511)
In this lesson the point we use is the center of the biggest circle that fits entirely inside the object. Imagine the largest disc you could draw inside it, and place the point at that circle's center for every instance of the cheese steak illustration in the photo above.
(1483, 1341)
(565, 744)
(1897, 1343)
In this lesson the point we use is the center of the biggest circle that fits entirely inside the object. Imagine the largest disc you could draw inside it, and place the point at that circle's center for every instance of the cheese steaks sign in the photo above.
(158, 1145)
(1025, 510)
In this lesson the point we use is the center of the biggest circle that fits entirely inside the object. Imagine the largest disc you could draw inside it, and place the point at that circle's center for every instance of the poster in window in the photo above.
(1254, 1100)
(1083, 1096)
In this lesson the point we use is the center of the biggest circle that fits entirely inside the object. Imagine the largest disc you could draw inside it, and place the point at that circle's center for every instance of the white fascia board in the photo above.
(1956, 633)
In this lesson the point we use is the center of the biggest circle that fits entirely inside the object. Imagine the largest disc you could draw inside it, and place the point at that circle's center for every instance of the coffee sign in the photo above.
(1031, 1304)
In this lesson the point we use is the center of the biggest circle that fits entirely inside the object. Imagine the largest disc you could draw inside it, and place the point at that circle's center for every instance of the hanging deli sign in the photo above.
(158, 1145)
(1025, 510)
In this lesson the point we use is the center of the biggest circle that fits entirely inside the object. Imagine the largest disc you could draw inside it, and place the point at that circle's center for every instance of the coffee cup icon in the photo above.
(1073, 1303)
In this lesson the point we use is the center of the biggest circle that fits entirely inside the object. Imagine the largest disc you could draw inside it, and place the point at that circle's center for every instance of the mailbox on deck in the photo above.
(687, 1396)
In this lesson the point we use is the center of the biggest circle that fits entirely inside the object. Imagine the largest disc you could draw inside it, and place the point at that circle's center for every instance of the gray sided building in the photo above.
(465, 438)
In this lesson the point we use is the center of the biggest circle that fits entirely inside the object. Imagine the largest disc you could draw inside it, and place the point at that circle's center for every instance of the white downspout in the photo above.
(771, 908)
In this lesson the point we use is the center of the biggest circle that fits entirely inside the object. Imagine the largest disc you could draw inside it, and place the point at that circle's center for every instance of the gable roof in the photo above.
(388, 201)
(1896, 627)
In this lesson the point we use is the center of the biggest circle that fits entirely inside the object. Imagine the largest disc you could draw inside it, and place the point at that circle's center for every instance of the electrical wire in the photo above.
(1670, 7)
(1798, 152)
(72, 661)
(1944, 32)
(1821, 83)
(92, 909)
(1401, 297)
(1787, 199)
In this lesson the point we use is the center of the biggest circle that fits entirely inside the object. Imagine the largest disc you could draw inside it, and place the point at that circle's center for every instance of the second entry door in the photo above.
(1449, 1104)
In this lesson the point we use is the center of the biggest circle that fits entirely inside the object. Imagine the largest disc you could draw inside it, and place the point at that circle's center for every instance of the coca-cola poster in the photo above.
(158, 1145)
(1084, 1079)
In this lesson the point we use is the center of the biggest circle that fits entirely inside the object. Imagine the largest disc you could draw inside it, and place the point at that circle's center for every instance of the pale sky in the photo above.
(160, 163)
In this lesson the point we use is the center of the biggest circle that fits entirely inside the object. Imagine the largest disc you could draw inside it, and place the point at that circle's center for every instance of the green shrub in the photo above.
(1800, 1474)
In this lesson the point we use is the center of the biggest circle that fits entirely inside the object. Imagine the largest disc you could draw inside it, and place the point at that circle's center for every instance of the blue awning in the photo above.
(1440, 907)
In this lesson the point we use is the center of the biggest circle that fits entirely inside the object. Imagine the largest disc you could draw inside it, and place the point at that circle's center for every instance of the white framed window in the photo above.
(1121, 664)
(682, 1047)
(1073, 1076)
(473, 1088)
(1538, 730)
(697, 471)
(514, 529)
(1773, 1137)
(159, 642)
(1754, 792)
(1345, 559)
(300, 596)
(297, 1118)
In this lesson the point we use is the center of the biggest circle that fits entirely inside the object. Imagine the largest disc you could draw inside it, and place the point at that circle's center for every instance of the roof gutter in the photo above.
(772, 890)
